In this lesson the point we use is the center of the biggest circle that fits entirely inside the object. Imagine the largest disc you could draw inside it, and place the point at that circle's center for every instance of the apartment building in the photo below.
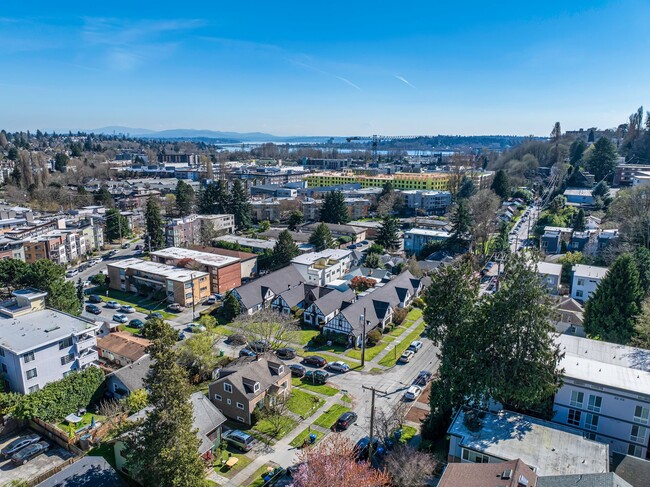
(46, 247)
(39, 345)
(186, 231)
(416, 239)
(585, 280)
(34, 229)
(321, 268)
(429, 202)
(183, 286)
(605, 393)
(624, 174)
(224, 271)
(357, 207)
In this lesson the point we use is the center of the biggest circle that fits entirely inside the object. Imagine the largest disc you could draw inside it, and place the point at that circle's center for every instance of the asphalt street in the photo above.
(526, 225)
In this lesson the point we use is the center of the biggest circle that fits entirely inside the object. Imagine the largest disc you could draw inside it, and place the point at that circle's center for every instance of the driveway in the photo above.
(36, 466)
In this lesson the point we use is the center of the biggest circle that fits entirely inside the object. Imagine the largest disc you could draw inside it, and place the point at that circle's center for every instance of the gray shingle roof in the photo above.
(88, 471)
(334, 300)
(252, 294)
(206, 418)
(132, 376)
(609, 479)
(249, 370)
(634, 470)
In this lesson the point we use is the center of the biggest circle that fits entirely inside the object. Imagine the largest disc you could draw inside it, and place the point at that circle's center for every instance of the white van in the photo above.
(71, 273)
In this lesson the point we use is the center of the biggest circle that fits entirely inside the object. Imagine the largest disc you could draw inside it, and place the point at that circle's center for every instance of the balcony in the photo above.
(88, 357)
(85, 342)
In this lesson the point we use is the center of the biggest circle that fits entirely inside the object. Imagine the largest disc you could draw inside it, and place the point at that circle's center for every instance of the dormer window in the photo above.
(227, 387)
(256, 387)
(281, 370)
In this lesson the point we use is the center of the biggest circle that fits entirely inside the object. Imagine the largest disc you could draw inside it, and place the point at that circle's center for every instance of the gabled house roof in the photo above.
(253, 293)
(245, 372)
(334, 300)
(294, 296)
(125, 344)
(132, 375)
(206, 419)
(502, 474)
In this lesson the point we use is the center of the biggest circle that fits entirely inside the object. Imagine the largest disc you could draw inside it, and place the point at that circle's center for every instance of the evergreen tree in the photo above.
(285, 249)
(231, 307)
(296, 218)
(213, 199)
(642, 260)
(334, 209)
(117, 226)
(576, 151)
(154, 224)
(239, 206)
(184, 198)
(501, 184)
(80, 292)
(579, 222)
(461, 221)
(501, 241)
(467, 189)
(388, 235)
(602, 160)
(61, 161)
(321, 238)
(104, 197)
(611, 310)
(162, 451)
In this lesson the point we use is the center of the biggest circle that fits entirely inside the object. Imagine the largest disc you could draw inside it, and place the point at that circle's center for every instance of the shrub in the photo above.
(418, 303)
(361, 284)
(399, 315)
(374, 337)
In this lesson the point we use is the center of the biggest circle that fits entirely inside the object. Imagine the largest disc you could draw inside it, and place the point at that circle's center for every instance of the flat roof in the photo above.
(311, 257)
(608, 364)
(205, 258)
(552, 449)
(589, 271)
(427, 232)
(33, 330)
(577, 192)
(549, 268)
(168, 271)
(248, 242)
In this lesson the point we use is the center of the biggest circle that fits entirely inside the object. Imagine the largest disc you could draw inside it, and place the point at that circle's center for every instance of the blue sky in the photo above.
(324, 68)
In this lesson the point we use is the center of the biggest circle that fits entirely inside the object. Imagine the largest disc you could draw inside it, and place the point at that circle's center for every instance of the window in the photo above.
(66, 359)
(472, 456)
(634, 450)
(638, 433)
(590, 436)
(576, 399)
(67, 343)
(227, 387)
(229, 402)
(591, 422)
(34, 388)
(240, 405)
(574, 417)
(581, 282)
(2, 352)
(217, 397)
(594, 403)
(579, 294)
(239, 418)
(4, 368)
(31, 373)
(641, 415)
(256, 387)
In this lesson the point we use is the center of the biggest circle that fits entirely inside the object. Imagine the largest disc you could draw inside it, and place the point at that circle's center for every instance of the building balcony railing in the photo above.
(84, 343)
(88, 357)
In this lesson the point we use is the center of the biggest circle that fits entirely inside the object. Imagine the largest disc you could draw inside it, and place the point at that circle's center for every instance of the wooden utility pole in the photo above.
(372, 417)
(363, 338)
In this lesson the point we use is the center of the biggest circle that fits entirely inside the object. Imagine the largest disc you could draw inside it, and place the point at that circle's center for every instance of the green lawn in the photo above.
(303, 337)
(259, 474)
(329, 417)
(223, 331)
(265, 427)
(86, 419)
(371, 352)
(303, 404)
(414, 315)
(319, 388)
(333, 348)
(397, 331)
(390, 359)
(104, 450)
(408, 432)
(243, 462)
(300, 439)
(132, 330)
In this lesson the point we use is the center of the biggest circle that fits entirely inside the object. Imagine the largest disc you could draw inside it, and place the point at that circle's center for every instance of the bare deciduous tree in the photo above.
(410, 467)
(275, 328)
(386, 422)
(484, 205)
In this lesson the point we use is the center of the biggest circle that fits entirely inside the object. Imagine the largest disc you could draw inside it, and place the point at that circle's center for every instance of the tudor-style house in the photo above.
(375, 309)
(324, 309)
(261, 292)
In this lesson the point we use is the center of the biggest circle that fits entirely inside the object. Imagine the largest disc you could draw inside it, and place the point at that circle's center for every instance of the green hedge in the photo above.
(58, 399)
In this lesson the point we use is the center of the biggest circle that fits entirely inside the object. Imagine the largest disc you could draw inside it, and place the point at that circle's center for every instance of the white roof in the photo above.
(312, 257)
(608, 364)
(205, 258)
(580, 270)
(427, 233)
(549, 268)
(577, 192)
(168, 271)
(248, 242)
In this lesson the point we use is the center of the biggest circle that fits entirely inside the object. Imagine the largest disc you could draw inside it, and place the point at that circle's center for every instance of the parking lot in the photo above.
(38, 465)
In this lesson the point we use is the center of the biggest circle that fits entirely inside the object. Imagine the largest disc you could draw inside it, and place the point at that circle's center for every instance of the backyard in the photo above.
(86, 420)
(222, 469)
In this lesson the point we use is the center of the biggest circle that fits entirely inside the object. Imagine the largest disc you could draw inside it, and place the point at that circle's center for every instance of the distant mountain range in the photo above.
(193, 134)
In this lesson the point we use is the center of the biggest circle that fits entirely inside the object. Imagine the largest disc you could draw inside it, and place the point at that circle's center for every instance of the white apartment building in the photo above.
(585, 280)
(39, 345)
(321, 268)
(606, 393)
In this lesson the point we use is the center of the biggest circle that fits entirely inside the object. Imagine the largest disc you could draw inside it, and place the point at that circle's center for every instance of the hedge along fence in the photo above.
(58, 399)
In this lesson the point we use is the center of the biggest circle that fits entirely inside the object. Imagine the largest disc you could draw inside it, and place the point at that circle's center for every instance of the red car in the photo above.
(315, 361)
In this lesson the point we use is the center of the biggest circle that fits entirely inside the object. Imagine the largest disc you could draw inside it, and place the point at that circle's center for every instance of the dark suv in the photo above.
(315, 361)
(362, 448)
(91, 308)
(259, 346)
(286, 353)
(94, 298)
(346, 420)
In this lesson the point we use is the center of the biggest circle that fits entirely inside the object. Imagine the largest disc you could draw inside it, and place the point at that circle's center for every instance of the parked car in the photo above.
(423, 378)
(113, 304)
(94, 298)
(195, 327)
(138, 247)
(352, 247)
(338, 367)
(246, 352)
(127, 309)
(210, 300)
(29, 452)
(317, 376)
(120, 318)
(297, 370)
(259, 346)
(91, 308)
(126, 245)
(293, 469)
(286, 353)
(136, 323)
(155, 314)
(19, 443)
(175, 307)
(239, 439)
(72, 273)
(315, 361)
(413, 393)
(415, 346)
(406, 356)
(362, 448)
(181, 336)
(345, 420)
